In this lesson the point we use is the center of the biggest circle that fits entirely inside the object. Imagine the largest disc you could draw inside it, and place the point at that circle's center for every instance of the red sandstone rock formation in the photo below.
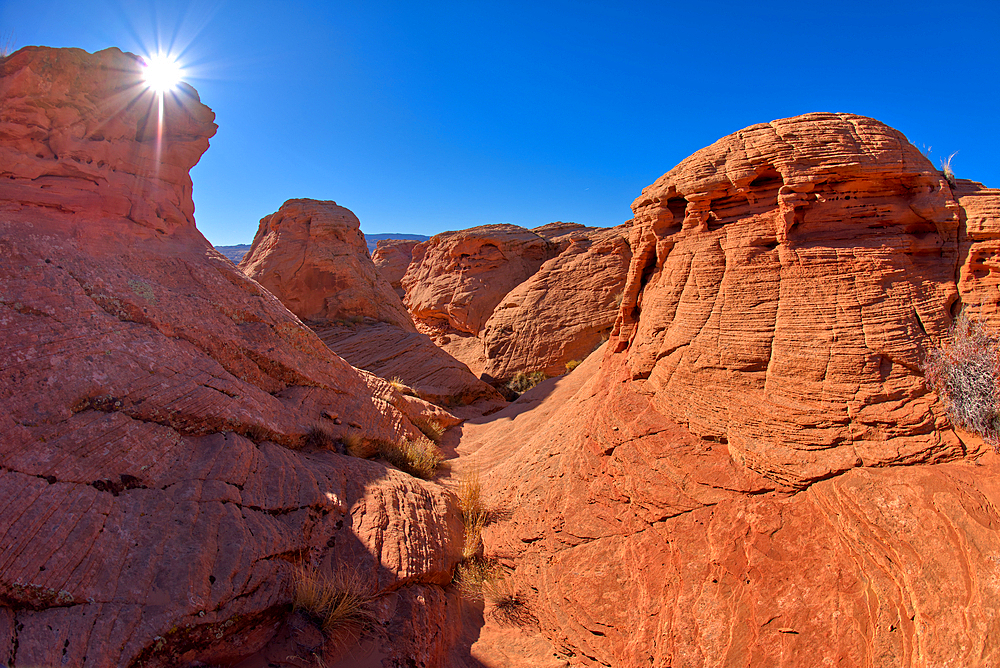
(312, 256)
(563, 311)
(153, 497)
(392, 258)
(504, 299)
(755, 474)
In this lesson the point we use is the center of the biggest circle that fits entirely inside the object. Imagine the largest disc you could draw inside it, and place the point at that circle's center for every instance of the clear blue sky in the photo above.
(422, 117)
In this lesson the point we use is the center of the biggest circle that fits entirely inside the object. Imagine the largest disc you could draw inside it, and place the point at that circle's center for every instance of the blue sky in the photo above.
(423, 117)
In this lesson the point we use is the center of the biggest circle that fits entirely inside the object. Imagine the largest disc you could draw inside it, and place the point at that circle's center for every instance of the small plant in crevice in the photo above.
(508, 605)
(965, 373)
(522, 381)
(474, 513)
(572, 364)
(420, 459)
(335, 600)
(946, 170)
(483, 579)
(472, 573)
(317, 437)
(430, 428)
(401, 387)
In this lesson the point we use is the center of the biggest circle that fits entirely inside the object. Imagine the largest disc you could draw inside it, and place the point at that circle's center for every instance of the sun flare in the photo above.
(162, 73)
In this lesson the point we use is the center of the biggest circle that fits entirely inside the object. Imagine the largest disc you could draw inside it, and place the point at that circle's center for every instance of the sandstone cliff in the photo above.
(504, 299)
(754, 473)
(392, 258)
(312, 256)
(158, 479)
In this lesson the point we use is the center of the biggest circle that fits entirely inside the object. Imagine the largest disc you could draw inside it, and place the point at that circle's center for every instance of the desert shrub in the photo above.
(619, 296)
(508, 605)
(572, 364)
(965, 375)
(430, 428)
(522, 382)
(334, 600)
(317, 437)
(420, 459)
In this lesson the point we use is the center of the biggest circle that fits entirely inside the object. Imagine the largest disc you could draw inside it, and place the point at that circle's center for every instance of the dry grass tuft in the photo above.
(966, 376)
(356, 446)
(474, 513)
(420, 459)
(949, 174)
(402, 387)
(430, 428)
(508, 606)
(485, 580)
(333, 601)
(472, 573)
(317, 437)
(572, 364)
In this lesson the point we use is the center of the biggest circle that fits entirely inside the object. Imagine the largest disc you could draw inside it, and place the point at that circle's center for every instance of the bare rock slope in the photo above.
(754, 473)
(159, 485)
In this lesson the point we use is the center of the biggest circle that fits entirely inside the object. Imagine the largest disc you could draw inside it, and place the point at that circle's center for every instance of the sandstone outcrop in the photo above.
(753, 473)
(158, 458)
(312, 256)
(503, 299)
(392, 258)
(563, 311)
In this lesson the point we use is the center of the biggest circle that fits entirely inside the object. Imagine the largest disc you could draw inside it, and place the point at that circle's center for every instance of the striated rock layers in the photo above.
(159, 465)
(505, 299)
(755, 473)
(312, 256)
(392, 258)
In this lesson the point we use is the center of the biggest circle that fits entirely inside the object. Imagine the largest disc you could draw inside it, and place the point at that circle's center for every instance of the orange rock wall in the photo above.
(754, 473)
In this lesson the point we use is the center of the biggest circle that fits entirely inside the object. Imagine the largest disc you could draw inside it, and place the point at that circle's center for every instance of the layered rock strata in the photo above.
(392, 258)
(165, 443)
(754, 473)
(503, 299)
(312, 256)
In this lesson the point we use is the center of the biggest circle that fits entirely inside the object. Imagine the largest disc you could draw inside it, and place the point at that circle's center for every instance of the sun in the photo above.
(162, 73)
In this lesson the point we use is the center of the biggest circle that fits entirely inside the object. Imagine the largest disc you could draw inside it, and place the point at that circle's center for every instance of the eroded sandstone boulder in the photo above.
(563, 311)
(754, 473)
(312, 256)
(503, 299)
(158, 457)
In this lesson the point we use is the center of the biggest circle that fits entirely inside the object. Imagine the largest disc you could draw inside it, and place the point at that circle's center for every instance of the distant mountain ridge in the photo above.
(236, 253)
